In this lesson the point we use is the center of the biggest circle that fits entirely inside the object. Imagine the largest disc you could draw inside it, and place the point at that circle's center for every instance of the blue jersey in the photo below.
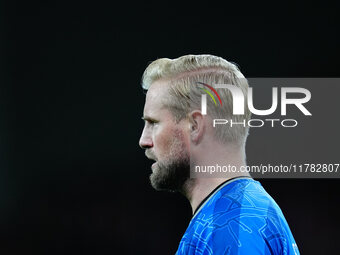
(240, 217)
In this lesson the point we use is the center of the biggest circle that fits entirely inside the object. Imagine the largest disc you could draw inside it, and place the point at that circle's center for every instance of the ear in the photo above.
(197, 126)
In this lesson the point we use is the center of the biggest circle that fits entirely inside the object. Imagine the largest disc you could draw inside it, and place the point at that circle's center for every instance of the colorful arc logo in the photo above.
(209, 93)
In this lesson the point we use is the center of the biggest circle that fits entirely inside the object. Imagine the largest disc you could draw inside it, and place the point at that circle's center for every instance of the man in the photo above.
(232, 214)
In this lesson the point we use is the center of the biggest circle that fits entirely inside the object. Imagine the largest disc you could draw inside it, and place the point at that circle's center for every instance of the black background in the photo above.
(73, 179)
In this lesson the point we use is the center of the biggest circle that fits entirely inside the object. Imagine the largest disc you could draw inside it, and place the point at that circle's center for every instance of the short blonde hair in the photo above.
(184, 74)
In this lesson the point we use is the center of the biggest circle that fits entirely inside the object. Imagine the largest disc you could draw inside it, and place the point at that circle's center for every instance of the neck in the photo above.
(197, 189)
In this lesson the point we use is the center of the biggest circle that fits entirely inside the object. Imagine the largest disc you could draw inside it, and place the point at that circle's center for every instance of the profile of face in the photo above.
(165, 141)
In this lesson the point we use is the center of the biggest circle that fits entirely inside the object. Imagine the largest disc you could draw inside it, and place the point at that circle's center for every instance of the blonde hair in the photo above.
(184, 74)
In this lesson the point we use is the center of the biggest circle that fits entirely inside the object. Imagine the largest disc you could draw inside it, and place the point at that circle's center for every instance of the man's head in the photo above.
(172, 110)
(165, 140)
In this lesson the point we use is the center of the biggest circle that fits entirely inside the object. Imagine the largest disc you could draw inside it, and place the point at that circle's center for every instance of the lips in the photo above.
(150, 156)
(152, 159)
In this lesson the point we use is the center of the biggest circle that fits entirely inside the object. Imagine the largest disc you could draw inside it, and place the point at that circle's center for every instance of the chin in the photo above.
(169, 176)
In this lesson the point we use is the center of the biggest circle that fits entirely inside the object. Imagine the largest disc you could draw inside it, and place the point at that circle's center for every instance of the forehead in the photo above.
(155, 97)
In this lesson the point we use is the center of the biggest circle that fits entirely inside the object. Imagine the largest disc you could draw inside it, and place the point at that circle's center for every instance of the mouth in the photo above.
(155, 161)
(149, 157)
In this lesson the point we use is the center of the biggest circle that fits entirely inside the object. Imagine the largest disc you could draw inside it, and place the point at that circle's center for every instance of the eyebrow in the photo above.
(147, 118)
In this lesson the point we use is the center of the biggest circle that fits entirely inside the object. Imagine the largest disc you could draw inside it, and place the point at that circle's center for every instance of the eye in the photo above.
(152, 122)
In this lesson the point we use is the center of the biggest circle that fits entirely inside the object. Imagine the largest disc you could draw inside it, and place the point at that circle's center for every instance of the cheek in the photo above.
(163, 138)
(171, 143)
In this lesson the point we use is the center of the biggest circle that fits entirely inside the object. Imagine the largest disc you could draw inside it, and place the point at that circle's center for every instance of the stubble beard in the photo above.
(172, 174)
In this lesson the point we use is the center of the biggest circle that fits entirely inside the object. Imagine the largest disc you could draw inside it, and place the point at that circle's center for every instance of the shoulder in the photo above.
(241, 217)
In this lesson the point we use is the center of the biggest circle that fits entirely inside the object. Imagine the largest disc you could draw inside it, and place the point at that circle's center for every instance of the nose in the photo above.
(145, 140)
